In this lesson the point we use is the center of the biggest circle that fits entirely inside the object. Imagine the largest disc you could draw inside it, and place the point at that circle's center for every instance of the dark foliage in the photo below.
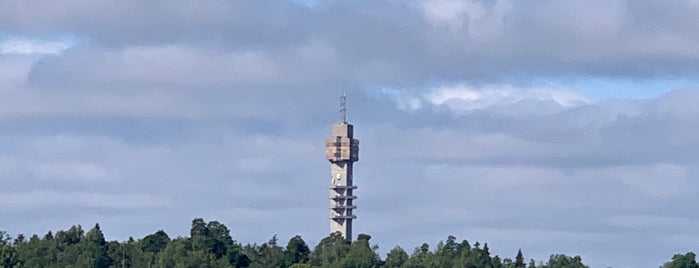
(211, 245)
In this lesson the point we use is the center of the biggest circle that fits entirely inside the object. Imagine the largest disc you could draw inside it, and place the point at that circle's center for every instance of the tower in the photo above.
(342, 150)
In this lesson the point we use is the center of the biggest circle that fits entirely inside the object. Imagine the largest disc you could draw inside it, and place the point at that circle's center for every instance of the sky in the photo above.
(547, 125)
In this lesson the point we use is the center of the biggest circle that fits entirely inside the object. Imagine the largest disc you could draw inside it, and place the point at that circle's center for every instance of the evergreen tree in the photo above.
(48, 236)
(37, 252)
(297, 251)
(519, 260)
(94, 249)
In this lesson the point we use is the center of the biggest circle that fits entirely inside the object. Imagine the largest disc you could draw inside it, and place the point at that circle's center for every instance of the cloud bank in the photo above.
(170, 111)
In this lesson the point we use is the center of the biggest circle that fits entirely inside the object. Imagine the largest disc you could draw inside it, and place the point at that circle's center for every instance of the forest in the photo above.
(211, 245)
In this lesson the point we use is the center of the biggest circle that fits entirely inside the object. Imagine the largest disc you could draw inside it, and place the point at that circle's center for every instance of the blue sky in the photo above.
(623, 88)
(494, 121)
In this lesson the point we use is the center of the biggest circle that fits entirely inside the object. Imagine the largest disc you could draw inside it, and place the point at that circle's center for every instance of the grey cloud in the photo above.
(396, 43)
(36, 200)
(139, 23)
(585, 170)
(220, 110)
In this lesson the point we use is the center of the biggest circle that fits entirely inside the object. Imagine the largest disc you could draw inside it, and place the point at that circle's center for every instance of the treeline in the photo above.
(211, 245)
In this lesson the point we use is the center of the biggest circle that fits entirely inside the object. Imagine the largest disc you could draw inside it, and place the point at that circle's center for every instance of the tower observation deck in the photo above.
(342, 150)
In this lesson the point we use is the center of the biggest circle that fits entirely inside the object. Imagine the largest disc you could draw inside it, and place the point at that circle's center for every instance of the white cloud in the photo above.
(483, 21)
(463, 98)
(20, 45)
(403, 100)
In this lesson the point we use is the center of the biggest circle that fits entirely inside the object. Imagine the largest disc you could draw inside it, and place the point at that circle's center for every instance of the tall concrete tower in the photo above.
(342, 150)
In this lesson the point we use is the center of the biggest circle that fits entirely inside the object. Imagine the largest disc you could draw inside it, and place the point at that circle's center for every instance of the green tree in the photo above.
(199, 235)
(175, 253)
(519, 260)
(396, 258)
(72, 236)
(485, 260)
(532, 264)
(682, 261)
(8, 254)
(475, 257)
(68, 249)
(37, 252)
(563, 261)
(211, 245)
(297, 251)
(361, 254)
(93, 250)
(155, 242)
(240, 260)
(131, 254)
(117, 253)
(330, 251)
(447, 252)
(421, 258)
(496, 262)
(48, 236)
(269, 254)
(220, 239)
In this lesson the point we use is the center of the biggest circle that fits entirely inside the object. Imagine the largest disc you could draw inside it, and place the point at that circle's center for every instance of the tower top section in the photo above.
(343, 108)
(341, 146)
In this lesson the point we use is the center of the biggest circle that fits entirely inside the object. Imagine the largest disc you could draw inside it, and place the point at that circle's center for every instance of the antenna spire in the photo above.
(343, 108)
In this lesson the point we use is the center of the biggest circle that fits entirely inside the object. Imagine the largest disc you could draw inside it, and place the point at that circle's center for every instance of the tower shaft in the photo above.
(342, 150)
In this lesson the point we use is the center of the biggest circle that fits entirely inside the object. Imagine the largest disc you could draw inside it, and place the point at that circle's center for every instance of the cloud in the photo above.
(186, 65)
(80, 171)
(464, 98)
(641, 221)
(402, 100)
(18, 45)
(403, 43)
(481, 20)
(47, 199)
(220, 109)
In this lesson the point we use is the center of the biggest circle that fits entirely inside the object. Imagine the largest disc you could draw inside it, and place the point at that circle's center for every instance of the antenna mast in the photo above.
(343, 108)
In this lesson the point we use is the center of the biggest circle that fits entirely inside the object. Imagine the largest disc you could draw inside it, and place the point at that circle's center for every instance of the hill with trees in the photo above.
(211, 245)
